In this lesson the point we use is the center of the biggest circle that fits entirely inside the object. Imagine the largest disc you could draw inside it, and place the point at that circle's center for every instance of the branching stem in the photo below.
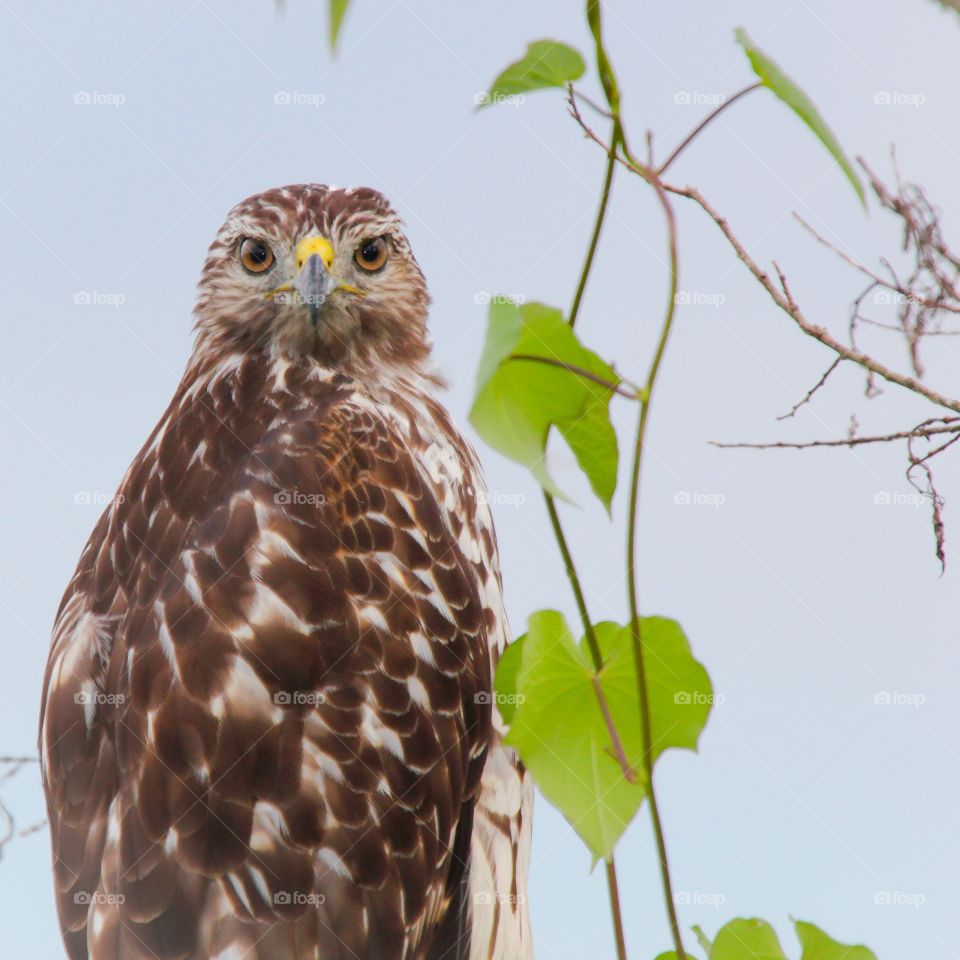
(700, 127)
(598, 223)
(618, 141)
(632, 521)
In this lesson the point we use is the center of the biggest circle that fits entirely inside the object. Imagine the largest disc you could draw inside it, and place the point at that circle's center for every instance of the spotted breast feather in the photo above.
(267, 729)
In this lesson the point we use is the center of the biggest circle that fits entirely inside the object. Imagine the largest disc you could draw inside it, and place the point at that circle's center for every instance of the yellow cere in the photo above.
(311, 245)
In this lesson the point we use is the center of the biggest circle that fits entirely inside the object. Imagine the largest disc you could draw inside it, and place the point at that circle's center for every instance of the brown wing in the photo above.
(261, 728)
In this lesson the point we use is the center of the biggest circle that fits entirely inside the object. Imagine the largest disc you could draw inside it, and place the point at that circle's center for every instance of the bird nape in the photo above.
(267, 726)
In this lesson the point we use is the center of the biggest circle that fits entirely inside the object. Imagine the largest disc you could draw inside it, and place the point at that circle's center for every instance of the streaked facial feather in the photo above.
(384, 320)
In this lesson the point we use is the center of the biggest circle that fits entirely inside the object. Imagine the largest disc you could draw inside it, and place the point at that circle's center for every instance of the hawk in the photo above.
(267, 729)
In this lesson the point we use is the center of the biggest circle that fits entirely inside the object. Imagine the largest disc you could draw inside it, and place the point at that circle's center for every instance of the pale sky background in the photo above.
(804, 597)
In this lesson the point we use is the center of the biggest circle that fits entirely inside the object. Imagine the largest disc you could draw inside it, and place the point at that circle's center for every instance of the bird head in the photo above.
(318, 271)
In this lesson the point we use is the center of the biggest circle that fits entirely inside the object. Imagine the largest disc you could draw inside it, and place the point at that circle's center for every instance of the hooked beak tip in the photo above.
(313, 285)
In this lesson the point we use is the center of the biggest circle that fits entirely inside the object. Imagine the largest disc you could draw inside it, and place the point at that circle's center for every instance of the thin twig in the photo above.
(892, 285)
(809, 394)
(921, 432)
(784, 300)
(936, 264)
(589, 102)
(936, 501)
(699, 128)
(893, 329)
(922, 234)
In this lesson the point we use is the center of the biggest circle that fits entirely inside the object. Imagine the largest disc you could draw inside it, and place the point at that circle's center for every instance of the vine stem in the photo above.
(592, 643)
(619, 139)
(631, 558)
(707, 120)
(613, 888)
(598, 223)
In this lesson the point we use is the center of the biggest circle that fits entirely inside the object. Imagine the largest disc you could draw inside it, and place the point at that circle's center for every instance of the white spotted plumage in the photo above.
(267, 727)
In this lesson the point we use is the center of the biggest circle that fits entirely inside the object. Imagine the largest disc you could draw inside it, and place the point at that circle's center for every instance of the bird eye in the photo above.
(255, 256)
(371, 254)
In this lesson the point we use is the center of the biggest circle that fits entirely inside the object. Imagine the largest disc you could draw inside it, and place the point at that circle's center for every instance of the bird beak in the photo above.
(314, 258)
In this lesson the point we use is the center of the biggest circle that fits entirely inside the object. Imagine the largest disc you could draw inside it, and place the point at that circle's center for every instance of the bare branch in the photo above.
(893, 285)
(889, 326)
(809, 394)
(930, 289)
(579, 94)
(948, 426)
(700, 127)
(782, 297)
(936, 501)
